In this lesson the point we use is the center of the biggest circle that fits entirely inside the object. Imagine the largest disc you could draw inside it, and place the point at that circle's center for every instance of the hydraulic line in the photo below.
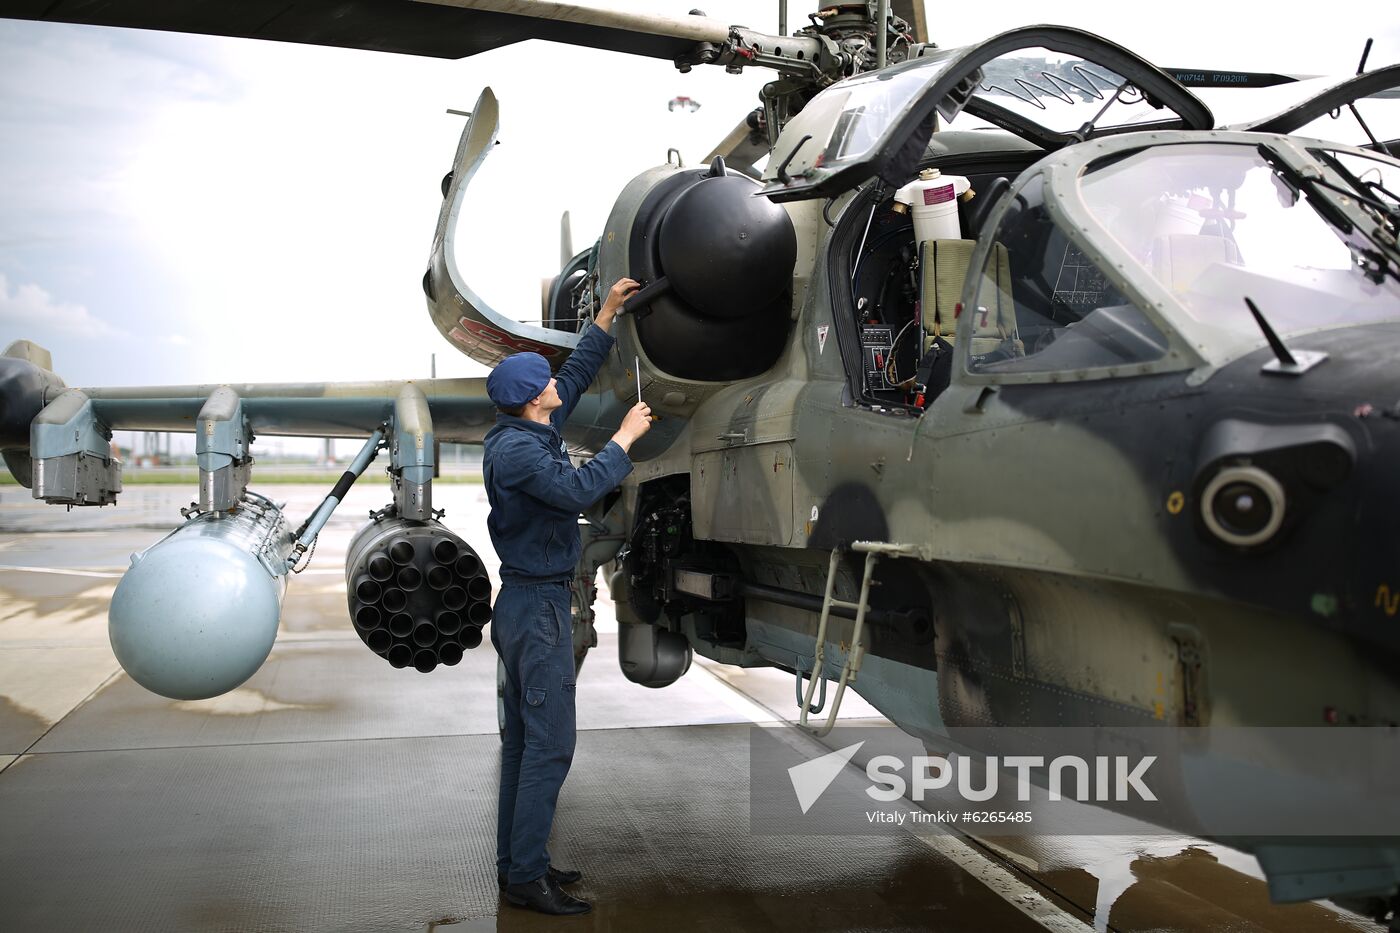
(306, 535)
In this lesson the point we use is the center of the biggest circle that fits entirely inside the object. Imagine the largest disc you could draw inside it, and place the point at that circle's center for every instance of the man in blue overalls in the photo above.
(536, 496)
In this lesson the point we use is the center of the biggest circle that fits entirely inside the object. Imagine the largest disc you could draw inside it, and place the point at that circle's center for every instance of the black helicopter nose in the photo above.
(1295, 482)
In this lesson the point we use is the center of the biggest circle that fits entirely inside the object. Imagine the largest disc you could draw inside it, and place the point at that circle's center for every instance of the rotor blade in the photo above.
(741, 148)
(692, 28)
(566, 240)
(1209, 77)
(914, 13)
(446, 29)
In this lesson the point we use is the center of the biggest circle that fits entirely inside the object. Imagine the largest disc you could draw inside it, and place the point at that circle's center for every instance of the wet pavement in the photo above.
(332, 792)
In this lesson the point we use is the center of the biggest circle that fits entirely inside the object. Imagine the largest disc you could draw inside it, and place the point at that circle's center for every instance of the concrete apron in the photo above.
(332, 792)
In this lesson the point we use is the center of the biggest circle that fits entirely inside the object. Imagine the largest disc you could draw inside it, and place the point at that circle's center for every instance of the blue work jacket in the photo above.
(536, 493)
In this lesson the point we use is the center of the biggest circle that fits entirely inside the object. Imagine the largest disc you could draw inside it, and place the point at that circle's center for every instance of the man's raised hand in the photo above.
(635, 423)
(622, 289)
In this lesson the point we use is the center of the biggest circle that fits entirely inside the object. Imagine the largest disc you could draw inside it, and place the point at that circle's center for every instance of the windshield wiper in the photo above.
(1368, 193)
(1311, 188)
(1087, 129)
(1374, 263)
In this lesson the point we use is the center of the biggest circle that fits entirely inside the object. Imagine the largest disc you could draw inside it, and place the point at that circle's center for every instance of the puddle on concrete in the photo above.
(1130, 883)
(31, 610)
(1204, 894)
(20, 727)
(921, 891)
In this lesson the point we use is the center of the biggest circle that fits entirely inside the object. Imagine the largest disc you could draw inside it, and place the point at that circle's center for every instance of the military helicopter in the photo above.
(1056, 470)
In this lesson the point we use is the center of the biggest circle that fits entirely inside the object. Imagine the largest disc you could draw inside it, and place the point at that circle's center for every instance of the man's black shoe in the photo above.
(559, 876)
(545, 896)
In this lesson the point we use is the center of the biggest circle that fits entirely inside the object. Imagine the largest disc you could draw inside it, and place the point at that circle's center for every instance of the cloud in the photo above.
(29, 306)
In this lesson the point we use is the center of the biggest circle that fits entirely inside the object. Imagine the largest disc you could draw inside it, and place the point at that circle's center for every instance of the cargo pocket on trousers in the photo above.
(565, 723)
(536, 715)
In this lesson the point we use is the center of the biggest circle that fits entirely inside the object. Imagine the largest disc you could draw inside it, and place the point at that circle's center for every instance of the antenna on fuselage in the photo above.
(1287, 364)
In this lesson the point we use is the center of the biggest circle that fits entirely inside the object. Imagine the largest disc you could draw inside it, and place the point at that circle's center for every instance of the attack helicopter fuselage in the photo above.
(1110, 501)
(1118, 504)
(1080, 553)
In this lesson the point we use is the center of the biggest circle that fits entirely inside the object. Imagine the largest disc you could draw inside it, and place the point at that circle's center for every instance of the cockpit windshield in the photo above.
(841, 125)
(1215, 223)
(862, 110)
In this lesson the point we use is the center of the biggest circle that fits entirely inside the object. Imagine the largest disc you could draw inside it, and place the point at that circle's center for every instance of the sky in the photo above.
(179, 209)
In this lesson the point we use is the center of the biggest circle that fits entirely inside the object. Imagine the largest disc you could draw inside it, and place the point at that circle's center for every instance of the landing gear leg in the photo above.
(585, 591)
(601, 541)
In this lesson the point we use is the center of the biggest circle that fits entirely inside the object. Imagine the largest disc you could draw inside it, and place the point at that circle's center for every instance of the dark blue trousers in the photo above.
(531, 632)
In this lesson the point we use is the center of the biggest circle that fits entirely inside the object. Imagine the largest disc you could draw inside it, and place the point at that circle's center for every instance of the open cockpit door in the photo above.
(1359, 111)
(460, 314)
(1051, 85)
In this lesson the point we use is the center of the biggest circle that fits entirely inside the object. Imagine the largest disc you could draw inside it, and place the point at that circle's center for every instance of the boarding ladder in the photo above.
(850, 670)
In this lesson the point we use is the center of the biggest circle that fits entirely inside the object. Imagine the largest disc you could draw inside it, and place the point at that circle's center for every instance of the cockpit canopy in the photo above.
(1050, 85)
(1137, 257)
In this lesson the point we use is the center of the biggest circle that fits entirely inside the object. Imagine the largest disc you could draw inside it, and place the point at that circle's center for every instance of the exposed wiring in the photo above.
(914, 438)
(860, 252)
(890, 371)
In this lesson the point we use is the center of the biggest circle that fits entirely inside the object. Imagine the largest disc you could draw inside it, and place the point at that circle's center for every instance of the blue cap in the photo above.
(517, 379)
